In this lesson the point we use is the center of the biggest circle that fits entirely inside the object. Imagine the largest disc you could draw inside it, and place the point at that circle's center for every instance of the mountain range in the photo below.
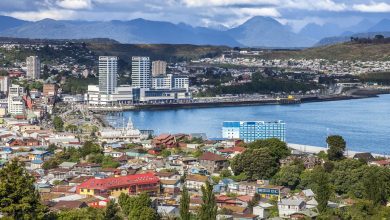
(256, 32)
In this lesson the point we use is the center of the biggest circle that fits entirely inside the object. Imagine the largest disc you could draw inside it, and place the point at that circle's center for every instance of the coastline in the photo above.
(303, 100)
(315, 150)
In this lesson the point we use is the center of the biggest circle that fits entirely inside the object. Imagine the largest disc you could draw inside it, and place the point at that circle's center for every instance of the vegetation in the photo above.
(260, 160)
(137, 207)
(58, 123)
(18, 197)
(378, 77)
(185, 204)
(208, 209)
(112, 211)
(337, 147)
(84, 213)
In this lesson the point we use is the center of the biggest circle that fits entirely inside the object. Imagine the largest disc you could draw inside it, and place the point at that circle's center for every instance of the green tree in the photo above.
(376, 183)
(83, 213)
(337, 147)
(277, 147)
(185, 204)
(18, 197)
(255, 163)
(322, 188)
(109, 162)
(58, 123)
(288, 176)
(90, 147)
(112, 211)
(137, 207)
(208, 209)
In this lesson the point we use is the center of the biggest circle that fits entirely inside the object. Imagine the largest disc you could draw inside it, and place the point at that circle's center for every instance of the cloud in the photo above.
(75, 4)
(39, 15)
(373, 7)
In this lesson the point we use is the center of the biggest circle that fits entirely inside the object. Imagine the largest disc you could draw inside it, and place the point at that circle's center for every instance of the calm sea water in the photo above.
(364, 123)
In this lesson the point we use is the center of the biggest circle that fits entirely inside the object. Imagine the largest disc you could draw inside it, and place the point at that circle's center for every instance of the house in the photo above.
(164, 141)
(380, 163)
(213, 162)
(38, 155)
(114, 186)
(67, 165)
(168, 212)
(232, 151)
(290, 206)
(170, 187)
(67, 205)
(195, 182)
(262, 210)
(87, 168)
(367, 157)
(36, 164)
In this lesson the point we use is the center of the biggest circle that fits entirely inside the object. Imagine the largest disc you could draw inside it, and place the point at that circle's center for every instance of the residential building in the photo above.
(5, 82)
(254, 130)
(16, 105)
(170, 81)
(140, 76)
(195, 182)
(287, 207)
(159, 67)
(33, 67)
(114, 186)
(49, 89)
(108, 70)
(213, 162)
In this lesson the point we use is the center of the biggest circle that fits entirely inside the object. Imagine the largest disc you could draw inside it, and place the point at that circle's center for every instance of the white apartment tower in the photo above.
(16, 105)
(140, 76)
(4, 84)
(33, 67)
(159, 67)
(108, 69)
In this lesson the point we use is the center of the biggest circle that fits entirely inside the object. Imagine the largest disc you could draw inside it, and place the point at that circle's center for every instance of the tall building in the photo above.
(33, 67)
(50, 89)
(254, 130)
(4, 84)
(108, 70)
(140, 76)
(159, 67)
(16, 104)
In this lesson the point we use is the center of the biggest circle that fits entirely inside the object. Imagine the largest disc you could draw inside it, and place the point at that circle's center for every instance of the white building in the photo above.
(108, 70)
(4, 84)
(33, 67)
(120, 95)
(290, 206)
(16, 105)
(159, 67)
(140, 76)
(170, 81)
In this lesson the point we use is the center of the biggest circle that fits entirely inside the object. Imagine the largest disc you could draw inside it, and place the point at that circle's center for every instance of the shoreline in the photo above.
(103, 110)
(315, 150)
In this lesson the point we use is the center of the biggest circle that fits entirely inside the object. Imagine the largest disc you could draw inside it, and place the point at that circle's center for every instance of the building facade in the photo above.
(140, 76)
(16, 104)
(50, 89)
(170, 81)
(33, 67)
(159, 67)
(114, 186)
(4, 84)
(254, 130)
(108, 70)
(122, 95)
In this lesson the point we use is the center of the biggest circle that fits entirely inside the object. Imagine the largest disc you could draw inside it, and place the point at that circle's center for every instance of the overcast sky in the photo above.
(201, 12)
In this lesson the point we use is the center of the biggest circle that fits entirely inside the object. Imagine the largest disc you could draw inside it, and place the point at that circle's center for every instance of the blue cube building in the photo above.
(249, 131)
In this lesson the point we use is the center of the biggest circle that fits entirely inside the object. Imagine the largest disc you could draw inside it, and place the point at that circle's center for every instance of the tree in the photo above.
(288, 176)
(83, 213)
(337, 147)
(109, 162)
(208, 210)
(277, 147)
(255, 163)
(90, 147)
(112, 211)
(137, 207)
(321, 188)
(58, 123)
(185, 204)
(376, 185)
(18, 197)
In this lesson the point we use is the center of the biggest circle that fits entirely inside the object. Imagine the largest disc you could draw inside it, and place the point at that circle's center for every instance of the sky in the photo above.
(210, 13)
